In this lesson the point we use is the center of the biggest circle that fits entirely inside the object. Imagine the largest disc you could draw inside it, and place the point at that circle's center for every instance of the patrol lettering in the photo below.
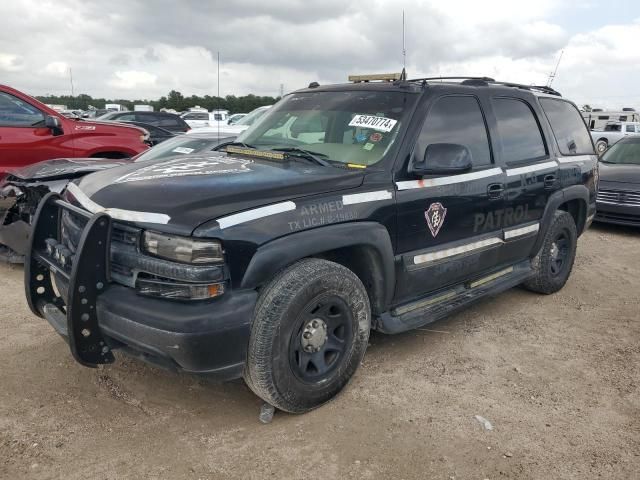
(503, 217)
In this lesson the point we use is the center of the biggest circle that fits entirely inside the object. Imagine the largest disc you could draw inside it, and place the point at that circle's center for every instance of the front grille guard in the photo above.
(87, 278)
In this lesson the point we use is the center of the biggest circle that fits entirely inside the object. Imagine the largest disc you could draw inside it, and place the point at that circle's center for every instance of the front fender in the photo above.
(274, 256)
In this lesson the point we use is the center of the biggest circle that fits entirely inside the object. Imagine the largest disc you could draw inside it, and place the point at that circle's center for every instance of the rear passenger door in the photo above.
(437, 242)
(531, 175)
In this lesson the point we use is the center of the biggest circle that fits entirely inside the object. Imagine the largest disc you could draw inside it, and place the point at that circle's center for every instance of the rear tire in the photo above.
(309, 334)
(554, 261)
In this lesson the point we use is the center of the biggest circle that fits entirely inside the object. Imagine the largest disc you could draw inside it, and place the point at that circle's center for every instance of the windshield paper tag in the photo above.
(184, 150)
(371, 121)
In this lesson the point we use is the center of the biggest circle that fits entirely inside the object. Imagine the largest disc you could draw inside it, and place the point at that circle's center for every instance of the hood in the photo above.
(224, 129)
(619, 173)
(60, 168)
(194, 189)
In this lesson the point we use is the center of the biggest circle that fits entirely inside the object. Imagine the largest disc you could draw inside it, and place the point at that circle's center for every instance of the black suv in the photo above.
(168, 121)
(373, 205)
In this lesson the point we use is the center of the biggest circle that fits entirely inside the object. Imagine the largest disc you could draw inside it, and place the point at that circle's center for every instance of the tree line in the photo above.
(174, 100)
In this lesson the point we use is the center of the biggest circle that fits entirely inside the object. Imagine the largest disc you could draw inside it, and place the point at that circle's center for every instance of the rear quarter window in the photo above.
(518, 129)
(569, 129)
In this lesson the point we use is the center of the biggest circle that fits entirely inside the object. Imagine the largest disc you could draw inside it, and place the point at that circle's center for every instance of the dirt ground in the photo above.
(556, 376)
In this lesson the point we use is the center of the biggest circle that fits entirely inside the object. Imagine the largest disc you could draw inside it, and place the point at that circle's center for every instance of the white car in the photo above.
(238, 127)
(613, 131)
(200, 119)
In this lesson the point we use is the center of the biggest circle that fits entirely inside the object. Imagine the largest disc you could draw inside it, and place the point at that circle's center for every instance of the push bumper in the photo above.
(97, 316)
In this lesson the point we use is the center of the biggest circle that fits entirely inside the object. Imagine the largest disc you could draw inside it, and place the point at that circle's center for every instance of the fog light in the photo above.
(178, 291)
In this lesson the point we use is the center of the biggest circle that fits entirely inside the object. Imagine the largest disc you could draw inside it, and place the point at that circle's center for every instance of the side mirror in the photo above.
(53, 124)
(444, 158)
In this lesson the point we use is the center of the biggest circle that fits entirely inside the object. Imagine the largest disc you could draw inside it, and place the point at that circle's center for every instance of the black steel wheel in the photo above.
(553, 264)
(322, 338)
(309, 334)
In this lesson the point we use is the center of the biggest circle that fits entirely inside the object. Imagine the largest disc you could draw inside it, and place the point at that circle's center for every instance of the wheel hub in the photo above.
(314, 335)
(554, 250)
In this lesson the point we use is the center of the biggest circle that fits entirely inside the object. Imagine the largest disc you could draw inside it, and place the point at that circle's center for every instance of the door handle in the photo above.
(495, 190)
(549, 181)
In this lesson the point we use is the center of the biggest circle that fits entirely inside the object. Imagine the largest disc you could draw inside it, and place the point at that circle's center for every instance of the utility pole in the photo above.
(71, 81)
(281, 90)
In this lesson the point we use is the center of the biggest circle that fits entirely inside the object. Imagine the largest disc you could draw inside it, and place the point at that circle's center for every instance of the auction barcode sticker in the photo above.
(371, 121)
(184, 150)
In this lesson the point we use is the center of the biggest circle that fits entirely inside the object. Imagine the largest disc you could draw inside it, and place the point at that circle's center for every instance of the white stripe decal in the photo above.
(450, 252)
(576, 158)
(366, 197)
(518, 232)
(116, 213)
(531, 168)
(255, 214)
(437, 182)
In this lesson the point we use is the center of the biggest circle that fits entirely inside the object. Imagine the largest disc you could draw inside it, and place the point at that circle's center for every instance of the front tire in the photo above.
(309, 334)
(554, 262)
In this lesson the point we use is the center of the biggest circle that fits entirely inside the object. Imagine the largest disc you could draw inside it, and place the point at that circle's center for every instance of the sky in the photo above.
(136, 49)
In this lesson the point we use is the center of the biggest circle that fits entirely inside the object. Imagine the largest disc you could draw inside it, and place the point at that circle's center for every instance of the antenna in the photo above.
(404, 50)
(214, 115)
(552, 75)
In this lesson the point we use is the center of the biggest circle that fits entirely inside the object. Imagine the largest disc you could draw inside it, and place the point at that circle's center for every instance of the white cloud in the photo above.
(57, 69)
(132, 79)
(10, 63)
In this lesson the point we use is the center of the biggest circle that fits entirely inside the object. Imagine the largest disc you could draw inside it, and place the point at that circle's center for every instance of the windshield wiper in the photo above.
(306, 154)
(236, 144)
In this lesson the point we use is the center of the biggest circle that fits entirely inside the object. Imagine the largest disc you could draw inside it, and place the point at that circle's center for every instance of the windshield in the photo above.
(250, 118)
(356, 127)
(181, 145)
(623, 153)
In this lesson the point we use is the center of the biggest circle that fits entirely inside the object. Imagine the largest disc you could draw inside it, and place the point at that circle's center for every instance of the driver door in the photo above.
(24, 139)
(447, 228)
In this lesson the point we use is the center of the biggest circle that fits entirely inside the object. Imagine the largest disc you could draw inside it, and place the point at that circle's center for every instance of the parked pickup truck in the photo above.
(613, 131)
(31, 132)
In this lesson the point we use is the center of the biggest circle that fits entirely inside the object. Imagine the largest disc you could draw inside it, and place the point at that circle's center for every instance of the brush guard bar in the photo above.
(88, 276)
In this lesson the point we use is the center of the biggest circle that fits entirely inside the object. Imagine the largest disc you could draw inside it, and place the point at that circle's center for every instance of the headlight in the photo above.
(182, 249)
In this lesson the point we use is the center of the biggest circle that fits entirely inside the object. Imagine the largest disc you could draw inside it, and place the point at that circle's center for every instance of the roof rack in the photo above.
(478, 81)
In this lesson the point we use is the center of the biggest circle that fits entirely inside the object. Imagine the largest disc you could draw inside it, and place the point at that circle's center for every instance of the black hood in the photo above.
(194, 189)
(60, 168)
(619, 173)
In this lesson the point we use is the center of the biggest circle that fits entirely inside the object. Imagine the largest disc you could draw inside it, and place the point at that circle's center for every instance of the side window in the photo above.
(126, 117)
(519, 131)
(168, 121)
(16, 113)
(456, 120)
(568, 127)
(630, 128)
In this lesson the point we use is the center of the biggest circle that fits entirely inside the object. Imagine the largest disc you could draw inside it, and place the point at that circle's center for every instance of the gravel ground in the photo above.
(556, 376)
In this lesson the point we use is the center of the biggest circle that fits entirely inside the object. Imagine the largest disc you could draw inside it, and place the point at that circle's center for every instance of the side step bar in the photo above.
(441, 304)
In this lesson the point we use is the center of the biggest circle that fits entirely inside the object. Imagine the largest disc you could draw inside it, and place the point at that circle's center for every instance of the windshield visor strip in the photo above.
(255, 214)
(531, 168)
(366, 197)
(437, 182)
(116, 213)
(519, 232)
(451, 252)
